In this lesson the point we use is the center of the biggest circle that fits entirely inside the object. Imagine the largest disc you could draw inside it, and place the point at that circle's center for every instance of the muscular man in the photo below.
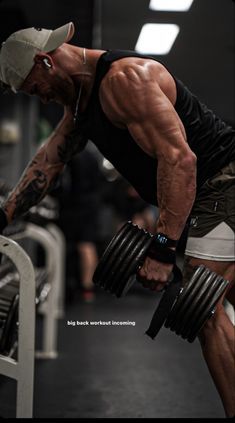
(173, 150)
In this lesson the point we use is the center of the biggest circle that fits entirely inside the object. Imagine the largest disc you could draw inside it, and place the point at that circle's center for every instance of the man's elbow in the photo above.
(183, 160)
(185, 166)
(188, 165)
(188, 161)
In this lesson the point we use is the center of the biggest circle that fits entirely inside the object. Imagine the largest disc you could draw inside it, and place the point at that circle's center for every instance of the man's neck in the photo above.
(87, 74)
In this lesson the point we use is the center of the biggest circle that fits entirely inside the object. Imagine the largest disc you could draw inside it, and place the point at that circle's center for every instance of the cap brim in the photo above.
(59, 36)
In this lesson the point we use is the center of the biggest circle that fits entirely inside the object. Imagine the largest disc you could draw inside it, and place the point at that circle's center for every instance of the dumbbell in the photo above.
(9, 305)
(182, 309)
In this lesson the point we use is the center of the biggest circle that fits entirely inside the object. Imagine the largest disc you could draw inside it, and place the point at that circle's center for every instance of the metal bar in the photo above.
(8, 367)
(49, 307)
(59, 275)
(26, 337)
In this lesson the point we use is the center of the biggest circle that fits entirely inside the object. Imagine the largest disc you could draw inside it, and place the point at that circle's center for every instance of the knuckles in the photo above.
(153, 275)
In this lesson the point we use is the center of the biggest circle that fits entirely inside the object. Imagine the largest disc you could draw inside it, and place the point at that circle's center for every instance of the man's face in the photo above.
(49, 85)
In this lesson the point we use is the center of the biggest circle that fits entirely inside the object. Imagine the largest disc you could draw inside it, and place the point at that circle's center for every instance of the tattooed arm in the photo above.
(43, 170)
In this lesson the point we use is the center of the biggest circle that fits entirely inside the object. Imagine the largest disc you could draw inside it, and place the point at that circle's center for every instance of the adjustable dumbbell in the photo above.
(182, 309)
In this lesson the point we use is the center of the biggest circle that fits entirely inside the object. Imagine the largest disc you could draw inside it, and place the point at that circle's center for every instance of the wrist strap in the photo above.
(164, 240)
(161, 253)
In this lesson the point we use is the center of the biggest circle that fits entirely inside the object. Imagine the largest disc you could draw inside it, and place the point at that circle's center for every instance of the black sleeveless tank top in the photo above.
(209, 137)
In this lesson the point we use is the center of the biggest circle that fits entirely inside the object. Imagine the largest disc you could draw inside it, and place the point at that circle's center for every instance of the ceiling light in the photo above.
(156, 38)
(171, 5)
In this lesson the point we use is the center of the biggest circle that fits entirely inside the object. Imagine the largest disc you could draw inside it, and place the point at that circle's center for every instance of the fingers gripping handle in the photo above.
(171, 292)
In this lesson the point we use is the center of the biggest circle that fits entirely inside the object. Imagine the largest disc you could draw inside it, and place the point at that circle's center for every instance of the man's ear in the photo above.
(44, 59)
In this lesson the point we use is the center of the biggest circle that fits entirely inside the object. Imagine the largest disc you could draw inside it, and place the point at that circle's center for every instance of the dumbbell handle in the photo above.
(176, 276)
(164, 307)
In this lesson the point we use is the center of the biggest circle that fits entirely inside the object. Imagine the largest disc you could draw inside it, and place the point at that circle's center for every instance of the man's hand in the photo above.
(154, 274)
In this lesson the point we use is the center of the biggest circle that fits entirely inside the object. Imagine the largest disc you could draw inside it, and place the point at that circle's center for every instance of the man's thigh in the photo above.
(211, 236)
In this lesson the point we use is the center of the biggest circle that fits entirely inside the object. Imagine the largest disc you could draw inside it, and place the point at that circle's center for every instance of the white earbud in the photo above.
(47, 64)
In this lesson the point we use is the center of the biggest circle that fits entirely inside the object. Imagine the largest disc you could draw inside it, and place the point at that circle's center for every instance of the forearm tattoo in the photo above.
(41, 174)
(34, 184)
(31, 194)
(74, 143)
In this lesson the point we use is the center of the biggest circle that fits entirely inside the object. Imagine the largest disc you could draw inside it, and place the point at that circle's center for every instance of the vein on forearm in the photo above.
(176, 193)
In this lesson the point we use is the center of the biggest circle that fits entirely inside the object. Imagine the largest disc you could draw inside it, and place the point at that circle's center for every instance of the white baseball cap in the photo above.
(18, 51)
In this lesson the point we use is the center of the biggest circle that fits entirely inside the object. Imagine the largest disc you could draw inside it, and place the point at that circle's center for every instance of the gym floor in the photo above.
(116, 371)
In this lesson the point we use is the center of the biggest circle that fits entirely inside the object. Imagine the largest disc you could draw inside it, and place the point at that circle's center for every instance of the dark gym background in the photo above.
(202, 55)
(115, 372)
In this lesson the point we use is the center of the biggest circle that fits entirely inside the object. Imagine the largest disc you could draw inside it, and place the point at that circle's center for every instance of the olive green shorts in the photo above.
(212, 219)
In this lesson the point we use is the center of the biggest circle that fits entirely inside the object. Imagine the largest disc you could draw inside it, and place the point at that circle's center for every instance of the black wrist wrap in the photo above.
(3, 220)
(161, 253)
(164, 240)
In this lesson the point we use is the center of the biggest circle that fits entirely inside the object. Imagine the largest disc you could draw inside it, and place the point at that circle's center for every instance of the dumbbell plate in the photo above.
(121, 259)
(195, 303)
(209, 310)
(108, 256)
